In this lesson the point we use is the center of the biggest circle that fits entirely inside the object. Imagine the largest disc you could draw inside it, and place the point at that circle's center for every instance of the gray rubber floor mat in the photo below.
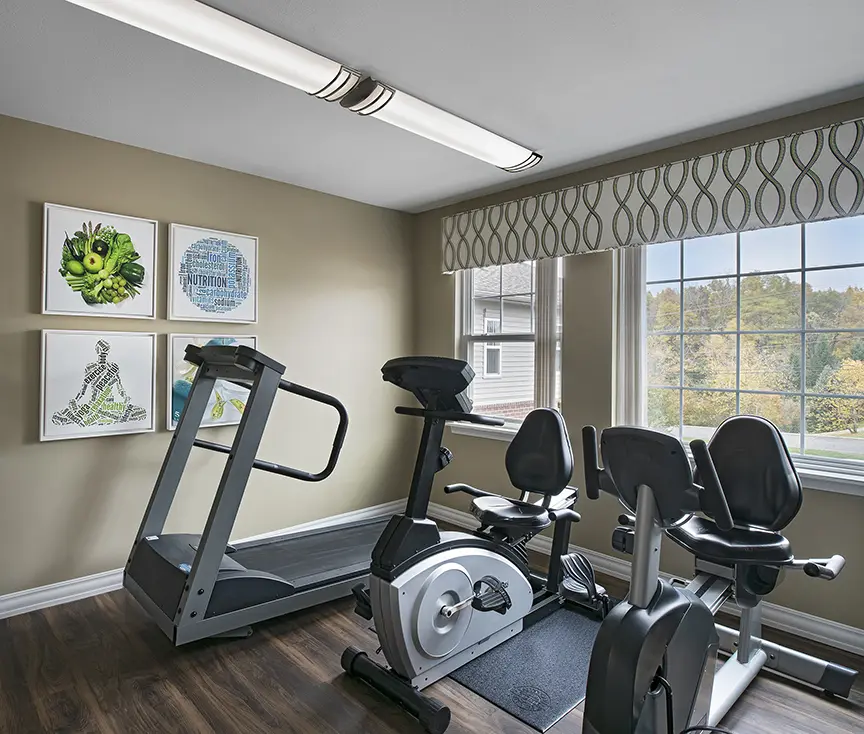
(540, 675)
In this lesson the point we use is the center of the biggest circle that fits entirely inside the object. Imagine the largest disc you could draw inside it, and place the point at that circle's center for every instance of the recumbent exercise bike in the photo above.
(652, 669)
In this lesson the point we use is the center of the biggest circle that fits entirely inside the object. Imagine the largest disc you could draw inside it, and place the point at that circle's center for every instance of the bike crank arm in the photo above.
(448, 610)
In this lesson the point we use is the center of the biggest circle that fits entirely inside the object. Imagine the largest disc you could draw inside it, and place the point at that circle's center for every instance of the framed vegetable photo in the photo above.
(213, 276)
(97, 383)
(227, 401)
(98, 264)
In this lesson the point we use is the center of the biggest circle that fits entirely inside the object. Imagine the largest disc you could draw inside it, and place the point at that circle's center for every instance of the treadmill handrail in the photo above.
(281, 469)
(451, 415)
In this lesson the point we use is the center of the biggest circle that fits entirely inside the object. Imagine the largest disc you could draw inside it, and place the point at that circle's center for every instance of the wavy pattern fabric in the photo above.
(805, 177)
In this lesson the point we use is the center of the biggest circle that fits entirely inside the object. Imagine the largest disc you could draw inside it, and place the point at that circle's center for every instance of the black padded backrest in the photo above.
(756, 472)
(634, 456)
(540, 458)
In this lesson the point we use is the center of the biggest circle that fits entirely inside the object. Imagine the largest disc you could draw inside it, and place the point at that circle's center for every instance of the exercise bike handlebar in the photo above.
(281, 469)
(474, 492)
(825, 568)
(712, 498)
(562, 513)
(451, 415)
(596, 479)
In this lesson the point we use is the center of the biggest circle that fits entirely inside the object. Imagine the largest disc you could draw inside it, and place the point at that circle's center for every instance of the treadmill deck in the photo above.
(304, 558)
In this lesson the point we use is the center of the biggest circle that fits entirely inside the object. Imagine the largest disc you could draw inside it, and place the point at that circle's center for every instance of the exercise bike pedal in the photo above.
(496, 599)
(362, 601)
(580, 586)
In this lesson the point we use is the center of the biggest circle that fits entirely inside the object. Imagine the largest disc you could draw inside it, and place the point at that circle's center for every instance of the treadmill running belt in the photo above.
(539, 675)
(326, 551)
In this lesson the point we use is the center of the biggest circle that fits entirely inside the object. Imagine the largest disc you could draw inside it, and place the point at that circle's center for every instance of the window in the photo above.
(769, 322)
(491, 350)
(510, 326)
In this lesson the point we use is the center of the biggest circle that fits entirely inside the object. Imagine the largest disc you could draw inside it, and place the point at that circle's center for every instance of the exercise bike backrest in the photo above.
(635, 457)
(539, 459)
(756, 472)
(744, 475)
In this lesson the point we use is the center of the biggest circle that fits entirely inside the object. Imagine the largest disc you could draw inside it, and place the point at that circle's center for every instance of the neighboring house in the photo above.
(504, 384)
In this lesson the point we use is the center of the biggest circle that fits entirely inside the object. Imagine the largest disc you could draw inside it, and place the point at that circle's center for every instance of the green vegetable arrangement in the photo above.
(100, 264)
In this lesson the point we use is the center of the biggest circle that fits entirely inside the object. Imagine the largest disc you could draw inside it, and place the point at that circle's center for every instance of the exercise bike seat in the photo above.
(499, 512)
(740, 545)
(539, 460)
(763, 492)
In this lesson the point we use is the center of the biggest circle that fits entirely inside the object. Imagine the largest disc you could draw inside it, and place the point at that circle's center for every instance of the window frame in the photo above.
(492, 346)
(844, 476)
(545, 337)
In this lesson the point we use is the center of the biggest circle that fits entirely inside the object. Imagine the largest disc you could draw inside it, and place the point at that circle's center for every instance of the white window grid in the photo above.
(827, 473)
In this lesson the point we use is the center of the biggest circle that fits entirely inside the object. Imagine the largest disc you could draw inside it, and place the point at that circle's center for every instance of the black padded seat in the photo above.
(752, 546)
(499, 512)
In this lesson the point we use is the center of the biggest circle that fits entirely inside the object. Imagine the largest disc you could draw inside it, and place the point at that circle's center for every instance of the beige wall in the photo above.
(334, 305)
(827, 524)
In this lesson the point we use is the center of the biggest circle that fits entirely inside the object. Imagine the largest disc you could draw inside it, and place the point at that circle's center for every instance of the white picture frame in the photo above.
(219, 291)
(62, 298)
(220, 401)
(120, 364)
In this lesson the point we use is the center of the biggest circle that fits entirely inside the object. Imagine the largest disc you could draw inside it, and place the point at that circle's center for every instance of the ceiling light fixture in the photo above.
(210, 31)
(218, 34)
(374, 99)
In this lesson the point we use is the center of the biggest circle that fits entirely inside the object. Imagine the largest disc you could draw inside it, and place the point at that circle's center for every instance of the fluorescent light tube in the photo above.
(373, 99)
(212, 32)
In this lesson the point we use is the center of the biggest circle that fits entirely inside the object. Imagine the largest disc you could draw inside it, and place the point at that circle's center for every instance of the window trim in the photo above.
(822, 474)
(492, 346)
(546, 287)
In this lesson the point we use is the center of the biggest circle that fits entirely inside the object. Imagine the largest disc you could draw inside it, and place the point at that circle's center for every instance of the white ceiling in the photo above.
(577, 80)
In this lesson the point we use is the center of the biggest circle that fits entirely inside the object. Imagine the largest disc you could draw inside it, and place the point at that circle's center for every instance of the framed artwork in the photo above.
(213, 276)
(98, 264)
(227, 401)
(97, 383)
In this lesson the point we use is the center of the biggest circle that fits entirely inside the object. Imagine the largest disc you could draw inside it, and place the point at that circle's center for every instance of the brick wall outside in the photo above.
(516, 410)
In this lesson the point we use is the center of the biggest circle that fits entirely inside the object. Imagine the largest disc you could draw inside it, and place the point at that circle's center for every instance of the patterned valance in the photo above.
(805, 177)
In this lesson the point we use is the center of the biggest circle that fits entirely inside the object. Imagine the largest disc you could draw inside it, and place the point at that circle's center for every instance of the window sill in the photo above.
(818, 479)
(825, 480)
(497, 433)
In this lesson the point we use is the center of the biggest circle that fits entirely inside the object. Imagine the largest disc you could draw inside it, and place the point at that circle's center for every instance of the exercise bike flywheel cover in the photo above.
(435, 634)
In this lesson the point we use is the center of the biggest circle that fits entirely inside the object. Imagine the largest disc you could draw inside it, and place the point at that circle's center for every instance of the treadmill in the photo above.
(198, 586)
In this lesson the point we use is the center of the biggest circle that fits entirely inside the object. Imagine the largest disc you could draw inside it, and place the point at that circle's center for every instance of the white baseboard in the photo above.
(30, 600)
(800, 624)
(808, 626)
(63, 592)
(366, 513)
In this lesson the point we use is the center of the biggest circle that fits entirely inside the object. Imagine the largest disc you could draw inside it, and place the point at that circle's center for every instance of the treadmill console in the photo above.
(439, 383)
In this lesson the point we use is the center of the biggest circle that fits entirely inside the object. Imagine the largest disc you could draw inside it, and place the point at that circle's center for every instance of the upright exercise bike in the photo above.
(653, 665)
(439, 599)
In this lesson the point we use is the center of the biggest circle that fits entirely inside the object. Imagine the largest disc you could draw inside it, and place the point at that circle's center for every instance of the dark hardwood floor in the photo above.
(100, 665)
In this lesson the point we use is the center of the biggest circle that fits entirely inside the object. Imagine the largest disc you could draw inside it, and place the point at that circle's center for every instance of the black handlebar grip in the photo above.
(341, 430)
(713, 499)
(564, 514)
(828, 570)
(591, 461)
(451, 416)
